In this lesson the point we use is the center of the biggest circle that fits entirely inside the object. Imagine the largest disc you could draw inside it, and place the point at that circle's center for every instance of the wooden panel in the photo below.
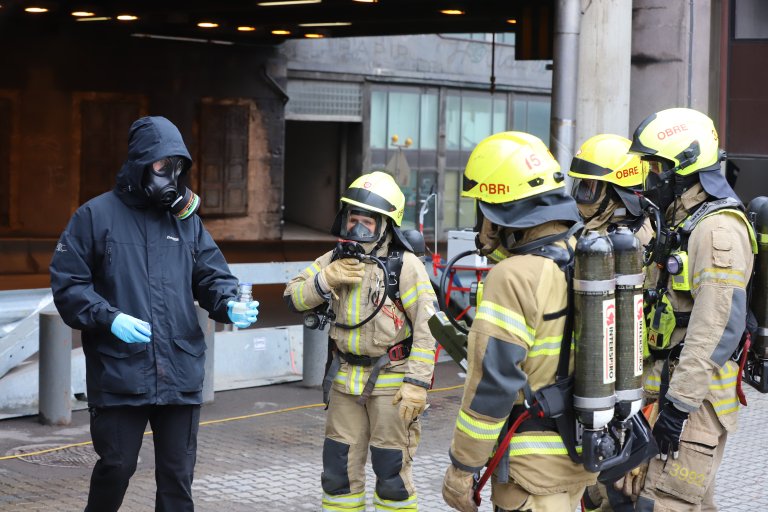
(104, 130)
(224, 136)
(6, 125)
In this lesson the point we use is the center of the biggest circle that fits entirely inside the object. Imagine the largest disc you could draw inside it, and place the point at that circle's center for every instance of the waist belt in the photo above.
(396, 352)
(660, 354)
(534, 423)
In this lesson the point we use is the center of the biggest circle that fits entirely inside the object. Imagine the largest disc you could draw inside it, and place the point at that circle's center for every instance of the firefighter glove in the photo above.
(347, 271)
(130, 329)
(668, 429)
(632, 482)
(458, 489)
(412, 399)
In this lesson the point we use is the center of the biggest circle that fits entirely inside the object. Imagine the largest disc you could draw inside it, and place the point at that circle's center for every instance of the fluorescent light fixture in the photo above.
(207, 24)
(452, 12)
(287, 2)
(314, 36)
(329, 24)
(244, 28)
(127, 17)
(182, 39)
(281, 32)
(367, 1)
(512, 21)
(82, 14)
(36, 10)
(99, 18)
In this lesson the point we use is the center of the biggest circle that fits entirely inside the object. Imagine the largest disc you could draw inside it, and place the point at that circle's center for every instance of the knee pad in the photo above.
(335, 477)
(387, 463)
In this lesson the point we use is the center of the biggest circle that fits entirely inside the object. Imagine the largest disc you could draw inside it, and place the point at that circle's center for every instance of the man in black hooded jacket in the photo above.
(126, 272)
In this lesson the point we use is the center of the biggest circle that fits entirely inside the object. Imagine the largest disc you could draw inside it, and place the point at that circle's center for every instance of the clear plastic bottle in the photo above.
(244, 296)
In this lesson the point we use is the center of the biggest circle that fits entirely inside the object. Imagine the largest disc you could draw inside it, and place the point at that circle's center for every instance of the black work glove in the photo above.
(668, 429)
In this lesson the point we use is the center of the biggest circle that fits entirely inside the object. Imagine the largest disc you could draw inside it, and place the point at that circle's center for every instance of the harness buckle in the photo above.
(398, 352)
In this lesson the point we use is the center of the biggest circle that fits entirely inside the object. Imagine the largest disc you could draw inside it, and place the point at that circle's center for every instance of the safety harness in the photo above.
(659, 319)
(397, 352)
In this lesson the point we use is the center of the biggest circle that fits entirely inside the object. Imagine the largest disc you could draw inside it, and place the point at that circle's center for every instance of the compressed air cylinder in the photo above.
(628, 258)
(759, 301)
(594, 331)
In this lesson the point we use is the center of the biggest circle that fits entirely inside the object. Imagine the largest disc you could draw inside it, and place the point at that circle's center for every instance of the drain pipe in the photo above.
(55, 370)
(564, 80)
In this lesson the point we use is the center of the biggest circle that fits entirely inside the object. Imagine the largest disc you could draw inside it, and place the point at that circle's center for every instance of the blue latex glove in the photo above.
(243, 314)
(130, 329)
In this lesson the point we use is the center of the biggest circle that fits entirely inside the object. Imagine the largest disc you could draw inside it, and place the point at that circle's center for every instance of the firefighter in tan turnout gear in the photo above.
(383, 352)
(517, 330)
(696, 307)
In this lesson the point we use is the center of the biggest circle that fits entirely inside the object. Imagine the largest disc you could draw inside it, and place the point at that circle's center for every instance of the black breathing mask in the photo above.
(166, 189)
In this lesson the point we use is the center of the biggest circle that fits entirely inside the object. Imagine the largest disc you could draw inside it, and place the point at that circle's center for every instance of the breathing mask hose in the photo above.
(376, 310)
(441, 295)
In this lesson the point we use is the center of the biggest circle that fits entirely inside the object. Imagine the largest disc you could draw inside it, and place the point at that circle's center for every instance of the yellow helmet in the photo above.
(509, 166)
(679, 139)
(604, 159)
(374, 195)
(517, 182)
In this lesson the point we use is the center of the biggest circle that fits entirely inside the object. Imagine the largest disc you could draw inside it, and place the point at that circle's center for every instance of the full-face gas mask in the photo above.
(361, 225)
(164, 184)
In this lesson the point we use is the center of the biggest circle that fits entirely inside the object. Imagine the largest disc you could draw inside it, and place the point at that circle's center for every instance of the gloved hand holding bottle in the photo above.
(243, 314)
(412, 400)
(130, 329)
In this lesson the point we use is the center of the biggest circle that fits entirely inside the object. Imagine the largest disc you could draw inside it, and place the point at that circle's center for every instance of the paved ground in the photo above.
(260, 450)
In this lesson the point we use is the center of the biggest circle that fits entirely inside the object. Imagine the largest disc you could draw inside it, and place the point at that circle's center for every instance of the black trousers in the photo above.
(117, 433)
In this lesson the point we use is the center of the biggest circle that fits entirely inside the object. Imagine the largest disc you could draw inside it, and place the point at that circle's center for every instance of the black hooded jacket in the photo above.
(119, 255)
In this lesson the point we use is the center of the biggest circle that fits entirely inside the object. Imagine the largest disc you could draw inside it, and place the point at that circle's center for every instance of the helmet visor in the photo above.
(587, 191)
(361, 225)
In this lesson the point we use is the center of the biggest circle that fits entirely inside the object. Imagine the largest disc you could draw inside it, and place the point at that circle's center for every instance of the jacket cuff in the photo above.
(463, 467)
(415, 382)
(322, 287)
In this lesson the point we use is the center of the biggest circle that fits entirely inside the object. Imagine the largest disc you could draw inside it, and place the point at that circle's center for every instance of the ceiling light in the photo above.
(367, 1)
(329, 24)
(452, 12)
(36, 10)
(82, 14)
(288, 2)
(246, 28)
(281, 32)
(314, 36)
(512, 21)
(207, 24)
(127, 17)
(99, 18)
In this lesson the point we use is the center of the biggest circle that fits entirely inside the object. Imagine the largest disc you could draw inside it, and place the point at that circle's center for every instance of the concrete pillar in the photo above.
(315, 356)
(55, 370)
(208, 327)
(605, 63)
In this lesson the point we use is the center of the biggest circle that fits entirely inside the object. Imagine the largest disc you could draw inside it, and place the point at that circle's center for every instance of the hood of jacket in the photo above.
(149, 139)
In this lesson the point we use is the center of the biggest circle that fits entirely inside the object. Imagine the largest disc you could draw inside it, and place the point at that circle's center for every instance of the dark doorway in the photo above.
(321, 158)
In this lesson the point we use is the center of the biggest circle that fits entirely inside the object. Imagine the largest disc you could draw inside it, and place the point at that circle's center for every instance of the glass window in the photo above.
(499, 114)
(403, 116)
(475, 120)
(452, 122)
(429, 114)
(379, 139)
(451, 199)
(532, 116)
